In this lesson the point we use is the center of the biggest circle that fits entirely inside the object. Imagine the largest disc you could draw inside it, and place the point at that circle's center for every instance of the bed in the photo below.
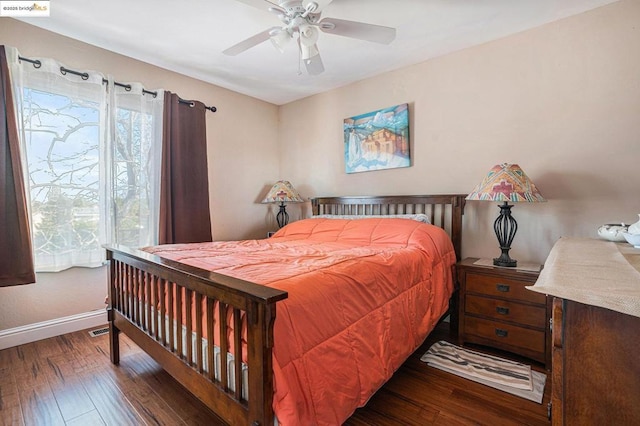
(207, 312)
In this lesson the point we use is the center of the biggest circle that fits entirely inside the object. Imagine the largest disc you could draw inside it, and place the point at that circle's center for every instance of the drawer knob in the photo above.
(504, 288)
(501, 333)
(502, 310)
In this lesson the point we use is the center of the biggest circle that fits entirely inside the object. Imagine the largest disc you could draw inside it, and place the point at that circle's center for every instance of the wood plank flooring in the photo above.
(69, 380)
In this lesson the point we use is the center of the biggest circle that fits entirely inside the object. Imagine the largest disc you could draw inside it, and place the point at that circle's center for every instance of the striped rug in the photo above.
(509, 376)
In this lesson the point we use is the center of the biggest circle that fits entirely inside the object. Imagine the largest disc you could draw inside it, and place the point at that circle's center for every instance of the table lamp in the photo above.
(282, 192)
(506, 182)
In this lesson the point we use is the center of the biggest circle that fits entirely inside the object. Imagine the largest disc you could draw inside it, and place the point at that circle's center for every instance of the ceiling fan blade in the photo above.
(359, 30)
(250, 42)
(314, 64)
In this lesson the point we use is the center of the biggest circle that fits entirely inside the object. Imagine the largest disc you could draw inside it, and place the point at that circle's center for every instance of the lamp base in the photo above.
(282, 217)
(505, 261)
(505, 227)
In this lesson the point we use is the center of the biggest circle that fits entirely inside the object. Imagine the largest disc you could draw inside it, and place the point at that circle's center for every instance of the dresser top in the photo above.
(593, 272)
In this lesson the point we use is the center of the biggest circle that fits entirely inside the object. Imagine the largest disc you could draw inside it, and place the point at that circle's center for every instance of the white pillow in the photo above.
(420, 217)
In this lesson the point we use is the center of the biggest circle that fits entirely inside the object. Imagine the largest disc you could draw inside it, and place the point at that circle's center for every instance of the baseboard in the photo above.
(56, 327)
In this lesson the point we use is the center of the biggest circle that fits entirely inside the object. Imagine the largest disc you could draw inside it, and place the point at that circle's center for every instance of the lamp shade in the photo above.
(506, 182)
(283, 192)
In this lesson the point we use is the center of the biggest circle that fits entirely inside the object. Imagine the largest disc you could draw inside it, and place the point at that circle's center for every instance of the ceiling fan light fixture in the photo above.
(280, 39)
(308, 35)
(308, 52)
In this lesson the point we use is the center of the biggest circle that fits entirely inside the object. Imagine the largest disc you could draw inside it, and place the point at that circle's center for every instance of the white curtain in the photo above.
(91, 153)
(133, 148)
(60, 117)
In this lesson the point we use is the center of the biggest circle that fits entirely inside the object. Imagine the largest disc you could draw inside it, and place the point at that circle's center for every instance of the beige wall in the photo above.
(562, 100)
(242, 147)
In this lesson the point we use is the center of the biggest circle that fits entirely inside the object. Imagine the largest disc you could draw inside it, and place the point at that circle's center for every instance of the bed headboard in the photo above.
(444, 211)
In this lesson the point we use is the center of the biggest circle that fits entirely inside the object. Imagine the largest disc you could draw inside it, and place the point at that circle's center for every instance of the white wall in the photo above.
(562, 101)
(242, 146)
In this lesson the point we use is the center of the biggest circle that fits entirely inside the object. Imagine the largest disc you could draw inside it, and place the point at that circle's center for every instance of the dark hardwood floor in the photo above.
(69, 380)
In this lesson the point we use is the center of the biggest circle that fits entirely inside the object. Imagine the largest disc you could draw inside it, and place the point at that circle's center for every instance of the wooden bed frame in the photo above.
(137, 278)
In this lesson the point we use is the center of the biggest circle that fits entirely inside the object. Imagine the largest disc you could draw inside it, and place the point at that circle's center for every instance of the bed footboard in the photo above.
(212, 333)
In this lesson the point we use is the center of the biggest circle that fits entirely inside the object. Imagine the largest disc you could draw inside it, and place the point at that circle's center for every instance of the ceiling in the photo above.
(189, 36)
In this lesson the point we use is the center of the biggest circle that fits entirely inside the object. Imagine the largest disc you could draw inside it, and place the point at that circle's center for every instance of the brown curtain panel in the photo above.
(184, 188)
(16, 257)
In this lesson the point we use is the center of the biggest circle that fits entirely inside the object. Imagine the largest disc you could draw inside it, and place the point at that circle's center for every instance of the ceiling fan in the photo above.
(301, 19)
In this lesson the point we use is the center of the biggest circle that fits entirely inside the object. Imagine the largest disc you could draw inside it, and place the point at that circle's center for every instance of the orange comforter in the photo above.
(363, 295)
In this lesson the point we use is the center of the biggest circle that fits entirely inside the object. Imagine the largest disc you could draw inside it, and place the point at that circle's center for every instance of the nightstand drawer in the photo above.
(505, 310)
(496, 286)
(496, 310)
(505, 334)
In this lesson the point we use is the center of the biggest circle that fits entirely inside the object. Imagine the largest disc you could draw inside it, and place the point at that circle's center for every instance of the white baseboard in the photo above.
(56, 327)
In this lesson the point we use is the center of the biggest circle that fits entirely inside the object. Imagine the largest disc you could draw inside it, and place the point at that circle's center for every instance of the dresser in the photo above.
(496, 309)
(596, 332)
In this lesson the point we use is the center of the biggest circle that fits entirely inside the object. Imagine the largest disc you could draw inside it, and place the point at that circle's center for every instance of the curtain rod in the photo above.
(37, 64)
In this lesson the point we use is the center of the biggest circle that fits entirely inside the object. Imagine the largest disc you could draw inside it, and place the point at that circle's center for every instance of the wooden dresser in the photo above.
(596, 332)
(496, 310)
(596, 366)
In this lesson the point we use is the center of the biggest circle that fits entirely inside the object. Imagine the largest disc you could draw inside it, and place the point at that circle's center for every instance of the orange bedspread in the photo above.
(363, 295)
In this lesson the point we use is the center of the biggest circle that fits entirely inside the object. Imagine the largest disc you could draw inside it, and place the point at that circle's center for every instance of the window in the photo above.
(62, 147)
(136, 168)
(92, 160)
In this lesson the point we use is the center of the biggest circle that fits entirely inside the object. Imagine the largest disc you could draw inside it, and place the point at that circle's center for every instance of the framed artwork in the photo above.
(377, 140)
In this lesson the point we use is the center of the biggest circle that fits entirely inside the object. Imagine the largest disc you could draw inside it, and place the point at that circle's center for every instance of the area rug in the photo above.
(508, 376)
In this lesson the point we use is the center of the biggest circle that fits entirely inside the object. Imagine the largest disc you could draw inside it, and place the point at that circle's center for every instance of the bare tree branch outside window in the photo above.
(63, 152)
(132, 189)
(62, 136)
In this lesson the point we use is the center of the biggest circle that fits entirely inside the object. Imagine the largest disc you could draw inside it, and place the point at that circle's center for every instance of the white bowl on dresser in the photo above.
(633, 239)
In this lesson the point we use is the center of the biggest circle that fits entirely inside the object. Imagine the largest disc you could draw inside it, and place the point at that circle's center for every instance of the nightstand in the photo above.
(496, 309)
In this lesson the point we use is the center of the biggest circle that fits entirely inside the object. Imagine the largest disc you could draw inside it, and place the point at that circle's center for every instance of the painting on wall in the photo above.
(377, 140)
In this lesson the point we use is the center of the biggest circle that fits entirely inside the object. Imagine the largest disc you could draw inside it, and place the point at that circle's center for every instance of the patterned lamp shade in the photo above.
(506, 182)
(283, 192)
